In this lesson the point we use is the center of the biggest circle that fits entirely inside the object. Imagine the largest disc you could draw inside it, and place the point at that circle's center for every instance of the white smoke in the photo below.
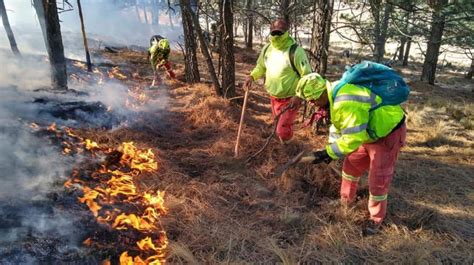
(106, 23)
(31, 169)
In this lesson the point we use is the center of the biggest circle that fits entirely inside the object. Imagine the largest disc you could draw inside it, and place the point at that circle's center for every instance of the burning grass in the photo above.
(109, 191)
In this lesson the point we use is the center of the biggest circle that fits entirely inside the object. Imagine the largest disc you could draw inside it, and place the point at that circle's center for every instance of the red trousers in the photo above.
(379, 158)
(284, 128)
(168, 69)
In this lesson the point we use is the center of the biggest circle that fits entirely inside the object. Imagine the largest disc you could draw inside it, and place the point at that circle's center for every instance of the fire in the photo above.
(89, 144)
(89, 198)
(156, 200)
(66, 151)
(34, 126)
(80, 65)
(138, 159)
(100, 74)
(111, 195)
(52, 127)
(137, 98)
(87, 242)
(115, 73)
(116, 186)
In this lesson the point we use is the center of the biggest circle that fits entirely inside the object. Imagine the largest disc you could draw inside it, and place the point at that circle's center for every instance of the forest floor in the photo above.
(222, 210)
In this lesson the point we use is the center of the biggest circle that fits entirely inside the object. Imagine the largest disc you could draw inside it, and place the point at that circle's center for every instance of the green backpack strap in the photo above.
(292, 58)
(265, 50)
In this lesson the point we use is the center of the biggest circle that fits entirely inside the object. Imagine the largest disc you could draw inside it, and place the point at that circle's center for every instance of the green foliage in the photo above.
(459, 29)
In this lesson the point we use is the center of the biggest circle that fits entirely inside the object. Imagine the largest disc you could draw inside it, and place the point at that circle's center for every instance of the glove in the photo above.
(321, 156)
(248, 83)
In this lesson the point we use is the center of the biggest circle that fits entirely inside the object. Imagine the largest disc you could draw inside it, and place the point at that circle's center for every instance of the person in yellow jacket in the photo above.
(366, 139)
(158, 54)
(282, 62)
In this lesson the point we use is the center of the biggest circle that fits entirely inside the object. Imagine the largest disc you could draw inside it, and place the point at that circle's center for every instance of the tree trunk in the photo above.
(407, 52)
(326, 37)
(380, 27)
(249, 43)
(320, 35)
(428, 73)
(236, 27)
(8, 29)
(84, 37)
(401, 50)
(228, 61)
(191, 64)
(244, 30)
(171, 19)
(207, 55)
(403, 39)
(284, 10)
(471, 71)
(49, 20)
(155, 13)
(138, 11)
(145, 13)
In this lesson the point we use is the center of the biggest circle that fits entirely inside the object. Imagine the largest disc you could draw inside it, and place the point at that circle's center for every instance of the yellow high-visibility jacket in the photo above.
(274, 63)
(159, 52)
(353, 124)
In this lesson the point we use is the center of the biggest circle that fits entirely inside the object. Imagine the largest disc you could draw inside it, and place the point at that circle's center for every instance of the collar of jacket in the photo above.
(282, 42)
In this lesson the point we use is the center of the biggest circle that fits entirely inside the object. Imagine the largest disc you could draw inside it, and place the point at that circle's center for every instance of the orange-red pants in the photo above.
(168, 68)
(284, 128)
(379, 158)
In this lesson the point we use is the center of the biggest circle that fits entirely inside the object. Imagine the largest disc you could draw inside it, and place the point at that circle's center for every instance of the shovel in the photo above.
(302, 157)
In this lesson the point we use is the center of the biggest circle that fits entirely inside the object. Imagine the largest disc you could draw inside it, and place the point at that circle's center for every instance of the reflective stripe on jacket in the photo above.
(280, 78)
(353, 121)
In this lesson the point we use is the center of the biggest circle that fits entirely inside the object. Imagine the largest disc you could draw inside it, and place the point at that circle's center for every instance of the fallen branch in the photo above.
(277, 119)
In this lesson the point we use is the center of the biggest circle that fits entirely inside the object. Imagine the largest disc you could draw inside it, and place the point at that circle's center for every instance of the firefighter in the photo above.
(158, 54)
(282, 62)
(366, 138)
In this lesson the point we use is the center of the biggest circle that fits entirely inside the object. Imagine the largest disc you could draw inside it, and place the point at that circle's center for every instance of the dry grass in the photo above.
(223, 211)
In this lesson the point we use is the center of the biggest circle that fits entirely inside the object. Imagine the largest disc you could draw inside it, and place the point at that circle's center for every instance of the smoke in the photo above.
(37, 222)
(31, 169)
(106, 23)
(35, 226)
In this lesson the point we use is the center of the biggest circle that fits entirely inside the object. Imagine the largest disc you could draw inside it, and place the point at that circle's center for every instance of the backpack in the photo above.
(292, 56)
(155, 38)
(380, 79)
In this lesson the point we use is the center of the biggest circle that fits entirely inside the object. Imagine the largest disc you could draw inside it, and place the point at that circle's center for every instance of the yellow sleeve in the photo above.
(260, 68)
(302, 62)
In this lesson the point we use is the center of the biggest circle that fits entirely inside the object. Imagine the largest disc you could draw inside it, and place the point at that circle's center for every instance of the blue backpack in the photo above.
(380, 79)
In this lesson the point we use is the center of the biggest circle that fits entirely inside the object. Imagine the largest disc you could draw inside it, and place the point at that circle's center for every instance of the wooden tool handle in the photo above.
(242, 116)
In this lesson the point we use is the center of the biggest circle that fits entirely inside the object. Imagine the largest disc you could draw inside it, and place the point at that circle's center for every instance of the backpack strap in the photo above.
(265, 50)
(292, 58)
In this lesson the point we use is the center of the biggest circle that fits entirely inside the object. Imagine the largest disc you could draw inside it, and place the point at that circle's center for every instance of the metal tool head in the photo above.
(279, 171)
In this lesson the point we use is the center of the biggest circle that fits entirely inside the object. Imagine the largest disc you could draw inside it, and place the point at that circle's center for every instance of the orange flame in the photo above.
(87, 242)
(90, 144)
(89, 196)
(34, 126)
(114, 184)
(52, 127)
(115, 73)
